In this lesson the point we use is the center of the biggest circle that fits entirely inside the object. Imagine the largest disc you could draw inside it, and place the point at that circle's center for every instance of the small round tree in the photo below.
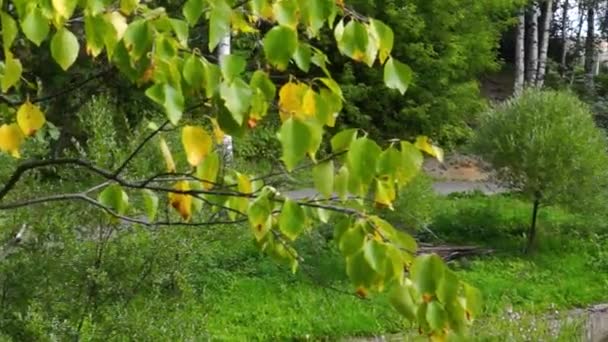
(546, 145)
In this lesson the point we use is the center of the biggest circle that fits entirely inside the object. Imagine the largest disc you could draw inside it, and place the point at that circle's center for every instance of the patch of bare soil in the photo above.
(458, 167)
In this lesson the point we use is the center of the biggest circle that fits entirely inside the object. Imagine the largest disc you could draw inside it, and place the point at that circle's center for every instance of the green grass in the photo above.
(214, 283)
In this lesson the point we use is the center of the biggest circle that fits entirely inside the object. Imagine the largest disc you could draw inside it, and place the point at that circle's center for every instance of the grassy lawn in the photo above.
(213, 282)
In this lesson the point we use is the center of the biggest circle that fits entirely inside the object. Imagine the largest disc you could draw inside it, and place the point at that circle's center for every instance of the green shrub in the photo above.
(546, 145)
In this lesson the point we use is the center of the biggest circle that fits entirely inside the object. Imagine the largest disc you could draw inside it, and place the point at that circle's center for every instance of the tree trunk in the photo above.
(532, 231)
(520, 51)
(565, 10)
(544, 46)
(532, 53)
(590, 48)
(579, 34)
(224, 48)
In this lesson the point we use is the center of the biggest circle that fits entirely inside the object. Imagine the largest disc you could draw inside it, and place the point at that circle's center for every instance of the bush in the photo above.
(546, 144)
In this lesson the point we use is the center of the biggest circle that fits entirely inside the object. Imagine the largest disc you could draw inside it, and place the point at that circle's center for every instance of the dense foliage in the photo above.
(546, 145)
(449, 45)
(204, 98)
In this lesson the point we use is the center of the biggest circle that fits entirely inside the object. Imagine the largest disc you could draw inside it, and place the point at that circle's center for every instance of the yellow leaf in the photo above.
(30, 118)
(423, 144)
(164, 148)
(182, 202)
(197, 144)
(118, 22)
(11, 138)
(217, 131)
(309, 103)
(240, 25)
(290, 99)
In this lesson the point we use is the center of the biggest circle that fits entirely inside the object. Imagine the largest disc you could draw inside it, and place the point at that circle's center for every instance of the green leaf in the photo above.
(397, 75)
(295, 137)
(232, 66)
(302, 56)
(64, 48)
(436, 316)
(352, 240)
(385, 38)
(292, 219)
(212, 79)
(193, 72)
(128, 6)
(12, 72)
(174, 103)
(359, 271)
(150, 204)
(389, 162)
(323, 176)
(208, 170)
(260, 80)
(361, 159)
(319, 11)
(341, 183)
(280, 43)
(400, 239)
(65, 8)
(375, 254)
(219, 23)
(447, 291)
(473, 300)
(138, 38)
(286, 12)
(412, 160)
(192, 10)
(341, 227)
(95, 29)
(114, 198)
(9, 31)
(237, 97)
(332, 85)
(259, 217)
(401, 299)
(341, 142)
(426, 273)
(180, 28)
(35, 26)
(353, 41)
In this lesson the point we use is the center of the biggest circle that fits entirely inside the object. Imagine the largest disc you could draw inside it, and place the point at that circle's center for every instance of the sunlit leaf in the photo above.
(286, 12)
(341, 142)
(219, 23)
(30, 118)
(361, 157)
(208, 170)
(167, 156)
(280, 43)
(237, 97)
(291, 97)
(295, 137)
(353, 40)
(192, 10)
(323, 177)
(12, 72)
(64, 8)
(180, 201)
(292, 220)
(259, 217)
(232, 66)
(138, 38)
(9, 31)
(11, 138)
(302, 57)
(436, 316)
(260, 80)
(341, 183)
(197, 144)
(35, 25)
(150, 204)
(352, 241)
(385, 38)
(423, 144)
(402, 301)
(397, 75)
(64, 48)
(114, 198)
(128, 6)
(426, 273)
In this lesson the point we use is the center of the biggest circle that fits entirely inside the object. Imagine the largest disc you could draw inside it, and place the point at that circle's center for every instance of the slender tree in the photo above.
(544, 46)
(532, 53)
(565, 12)
(224, 49)
(520, 50)
(590, 46)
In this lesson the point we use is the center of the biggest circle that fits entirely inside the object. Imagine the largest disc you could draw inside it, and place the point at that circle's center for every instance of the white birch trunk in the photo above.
(223, 49)
(532, 67)
(544, 46)
(520, 51)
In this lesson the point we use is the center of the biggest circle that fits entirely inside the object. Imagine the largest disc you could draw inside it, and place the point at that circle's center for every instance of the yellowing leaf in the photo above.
(309, 103)
(65, 8)
(290, 99)
(217, 131)
(182, 202)
(423, 144)
(197, 144)
(207, 171)
(164, 148)
(11, 138)
(30, 118)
